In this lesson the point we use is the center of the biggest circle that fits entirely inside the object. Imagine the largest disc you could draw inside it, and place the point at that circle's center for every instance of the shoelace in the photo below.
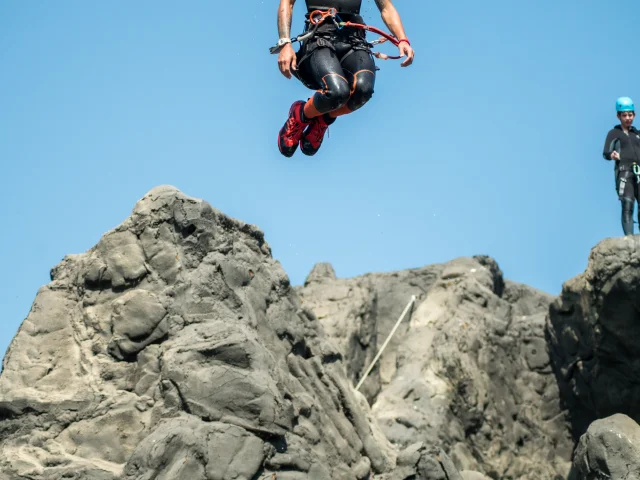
(317, 133)
(294, 128)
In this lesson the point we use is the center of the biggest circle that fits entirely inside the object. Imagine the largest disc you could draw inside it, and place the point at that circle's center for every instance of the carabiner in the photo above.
(332, 12)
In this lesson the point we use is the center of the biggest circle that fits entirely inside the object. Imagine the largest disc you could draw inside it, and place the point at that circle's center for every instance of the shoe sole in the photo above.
(312, 151)
(308, 153)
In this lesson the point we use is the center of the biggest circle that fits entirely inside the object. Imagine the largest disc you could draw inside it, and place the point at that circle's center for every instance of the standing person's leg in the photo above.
(636, 191)
(625, 184)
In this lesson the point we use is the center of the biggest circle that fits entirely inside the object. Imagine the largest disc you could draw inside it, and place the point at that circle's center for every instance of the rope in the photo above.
(384, 345)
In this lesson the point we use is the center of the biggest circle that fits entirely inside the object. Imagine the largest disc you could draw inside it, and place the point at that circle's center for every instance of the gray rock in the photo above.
(176, 348)
(469, 475)
(320, 273)
(185, 447)
(609, 449)
(594, 331)
(468, 369)
(422, 462)
(359, 313)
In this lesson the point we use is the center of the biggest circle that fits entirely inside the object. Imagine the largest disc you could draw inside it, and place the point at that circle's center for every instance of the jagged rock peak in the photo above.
(320, 272)
(176, 348)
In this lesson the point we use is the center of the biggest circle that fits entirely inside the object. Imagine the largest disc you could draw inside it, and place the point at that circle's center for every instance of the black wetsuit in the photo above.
(337, 63)
(342, 6)
(627, 181)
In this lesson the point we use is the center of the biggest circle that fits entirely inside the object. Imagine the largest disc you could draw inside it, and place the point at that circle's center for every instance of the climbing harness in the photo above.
(635, 168)
(318, 17)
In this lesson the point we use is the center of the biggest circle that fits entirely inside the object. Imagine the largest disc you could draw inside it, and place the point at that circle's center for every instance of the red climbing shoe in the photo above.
(314, 134)
(291, 132)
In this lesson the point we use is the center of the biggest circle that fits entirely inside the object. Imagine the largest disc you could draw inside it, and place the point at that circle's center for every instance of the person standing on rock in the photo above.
(336, 61)
(623, 146)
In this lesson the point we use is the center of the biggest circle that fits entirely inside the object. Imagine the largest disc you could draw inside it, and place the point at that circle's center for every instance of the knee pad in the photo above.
(336, 93)
(363, 89)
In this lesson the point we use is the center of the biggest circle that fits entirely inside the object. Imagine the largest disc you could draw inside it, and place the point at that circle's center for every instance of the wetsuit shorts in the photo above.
(338, 64)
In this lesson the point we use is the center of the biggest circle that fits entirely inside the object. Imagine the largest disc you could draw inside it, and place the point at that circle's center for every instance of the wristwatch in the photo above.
(283, 41)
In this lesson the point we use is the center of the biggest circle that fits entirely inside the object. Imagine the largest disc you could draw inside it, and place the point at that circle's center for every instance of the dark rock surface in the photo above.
(594, 334)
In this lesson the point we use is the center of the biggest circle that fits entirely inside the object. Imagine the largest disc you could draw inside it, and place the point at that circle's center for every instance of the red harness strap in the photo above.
(384, 38)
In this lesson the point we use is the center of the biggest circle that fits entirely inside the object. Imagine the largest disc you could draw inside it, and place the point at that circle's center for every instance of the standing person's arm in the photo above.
(287, 57)
(391, 18)
(611, 144)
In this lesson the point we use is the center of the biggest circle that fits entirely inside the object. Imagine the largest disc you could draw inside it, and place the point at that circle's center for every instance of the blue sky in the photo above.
(489, 144)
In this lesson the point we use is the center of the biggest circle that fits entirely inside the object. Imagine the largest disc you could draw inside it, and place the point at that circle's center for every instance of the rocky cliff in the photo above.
(468, 370)
(177, 348)
(593, 330)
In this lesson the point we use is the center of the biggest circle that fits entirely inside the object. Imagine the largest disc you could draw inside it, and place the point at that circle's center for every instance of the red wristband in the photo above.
(404, 40)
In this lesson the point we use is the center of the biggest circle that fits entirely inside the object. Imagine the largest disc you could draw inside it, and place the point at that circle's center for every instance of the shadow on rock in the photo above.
(593, 332)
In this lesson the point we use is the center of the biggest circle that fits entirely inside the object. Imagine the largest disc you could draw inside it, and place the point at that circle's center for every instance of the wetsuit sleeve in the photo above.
(610, 144)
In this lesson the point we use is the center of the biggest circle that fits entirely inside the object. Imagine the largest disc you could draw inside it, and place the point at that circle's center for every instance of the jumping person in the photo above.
(623, 146)
(336, 61)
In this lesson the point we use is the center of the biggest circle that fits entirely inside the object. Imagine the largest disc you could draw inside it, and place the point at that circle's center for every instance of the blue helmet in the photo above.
(624, 104)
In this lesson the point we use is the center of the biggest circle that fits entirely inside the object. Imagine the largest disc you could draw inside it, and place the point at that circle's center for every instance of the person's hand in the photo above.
(287, 60)
(406, 51)
(615, 156)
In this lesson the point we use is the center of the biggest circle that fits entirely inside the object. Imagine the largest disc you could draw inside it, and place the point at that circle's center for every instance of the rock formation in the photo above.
(609, 449)
(176, 348)
(468, 371)
(594, 333)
